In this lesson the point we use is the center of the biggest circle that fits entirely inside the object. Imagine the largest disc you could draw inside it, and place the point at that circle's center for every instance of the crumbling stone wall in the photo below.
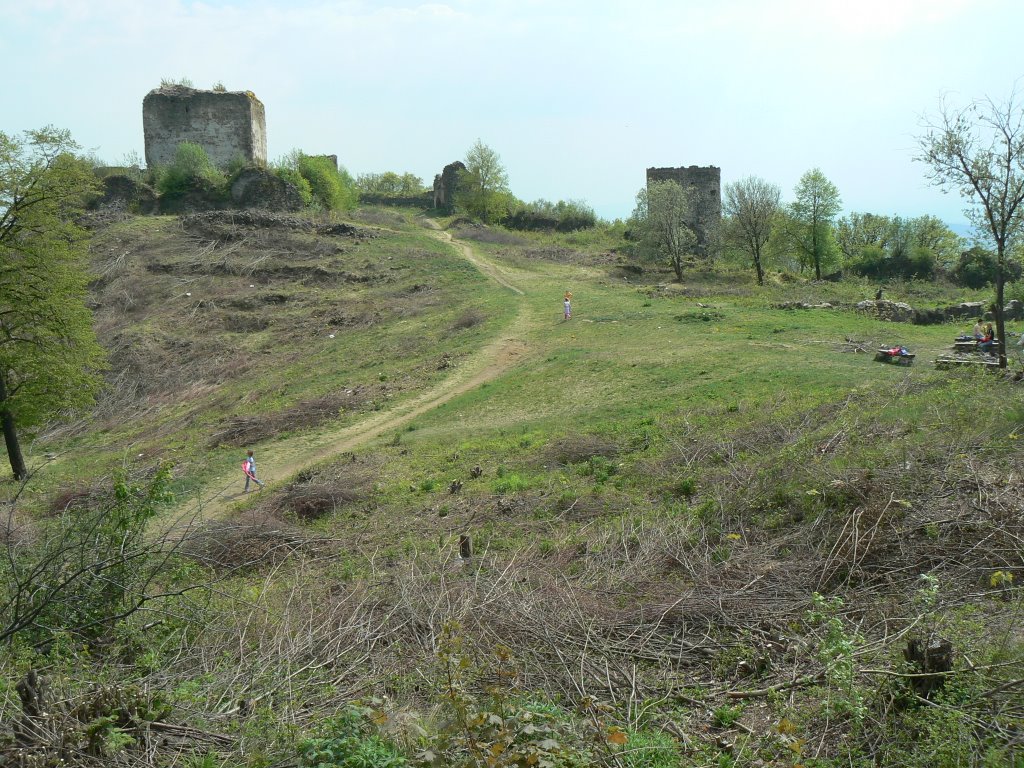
(227, 124)
(705, 186)
(444, 186)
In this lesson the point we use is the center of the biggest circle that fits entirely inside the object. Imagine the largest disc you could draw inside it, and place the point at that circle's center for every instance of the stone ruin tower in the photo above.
(705, 186)
(227, 124)
(445, 184)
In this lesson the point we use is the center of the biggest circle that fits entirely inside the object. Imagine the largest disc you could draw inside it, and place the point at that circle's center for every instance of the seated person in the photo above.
(979, 330)
(987, 340)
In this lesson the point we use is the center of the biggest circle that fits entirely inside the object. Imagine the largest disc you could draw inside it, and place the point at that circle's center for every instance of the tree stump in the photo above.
(32, 692)
(465, 546)
(930, 659)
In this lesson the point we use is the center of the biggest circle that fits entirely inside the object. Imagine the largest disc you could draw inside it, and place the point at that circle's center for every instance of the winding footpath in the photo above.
(288, 457)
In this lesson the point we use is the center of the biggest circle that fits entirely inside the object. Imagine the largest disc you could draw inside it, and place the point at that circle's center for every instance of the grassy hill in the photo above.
(704, 529)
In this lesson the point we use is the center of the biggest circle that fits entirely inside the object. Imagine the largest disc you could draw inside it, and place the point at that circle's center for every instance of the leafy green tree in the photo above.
(49, 358)
(932, 233)
(854, 232)
(752, 208)
(978, 150)
(816, 205)
(659, 222)
(483, 189)
(884, 247)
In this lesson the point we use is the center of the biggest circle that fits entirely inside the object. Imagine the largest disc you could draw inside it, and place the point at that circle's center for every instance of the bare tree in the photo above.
(752, 205)
(978, 150)
(660, 218)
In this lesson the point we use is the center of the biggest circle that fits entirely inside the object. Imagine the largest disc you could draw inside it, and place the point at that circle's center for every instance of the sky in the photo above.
(577, 98)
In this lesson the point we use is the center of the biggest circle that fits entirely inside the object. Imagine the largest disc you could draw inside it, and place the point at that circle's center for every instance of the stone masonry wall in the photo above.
(226, 124)
(705, 184)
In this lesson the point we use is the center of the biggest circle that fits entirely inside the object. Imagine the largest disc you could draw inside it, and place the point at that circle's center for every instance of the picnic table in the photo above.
(895, 356)
(964, 344)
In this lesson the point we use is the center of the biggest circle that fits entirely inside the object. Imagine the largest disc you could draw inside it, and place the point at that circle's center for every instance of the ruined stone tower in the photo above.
(227, 124)
(705, 185)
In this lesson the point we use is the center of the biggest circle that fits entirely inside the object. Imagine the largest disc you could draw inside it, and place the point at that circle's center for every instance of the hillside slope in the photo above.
(684, 528)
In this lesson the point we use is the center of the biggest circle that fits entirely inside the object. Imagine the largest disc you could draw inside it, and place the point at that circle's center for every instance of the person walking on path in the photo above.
(249, 467)
(567, 304)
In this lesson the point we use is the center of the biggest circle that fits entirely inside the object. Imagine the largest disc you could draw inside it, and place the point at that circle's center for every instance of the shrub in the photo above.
(874, 262)
(390, 184)
(511, 483)
(350, 741)
(191, 168)
(563, 216)
(296, 179)
(332, 188)
(977, 268)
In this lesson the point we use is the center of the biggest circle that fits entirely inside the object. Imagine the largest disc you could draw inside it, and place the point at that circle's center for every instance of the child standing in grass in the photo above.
(567, 304)
(249, 467)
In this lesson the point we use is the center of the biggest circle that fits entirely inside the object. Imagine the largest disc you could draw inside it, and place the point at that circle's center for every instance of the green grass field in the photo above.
(654, 492)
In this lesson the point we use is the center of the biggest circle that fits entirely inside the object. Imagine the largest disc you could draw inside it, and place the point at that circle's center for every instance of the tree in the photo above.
(752, 205)
(659, 221)
(817, 202)
(390, 184)
(978, 150)
(49, 358)
(932, 233)
(858, 230)
(483, 187)
(882, 247)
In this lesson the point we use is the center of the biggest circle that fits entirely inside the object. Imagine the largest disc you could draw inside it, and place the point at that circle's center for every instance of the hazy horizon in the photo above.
(578, 99)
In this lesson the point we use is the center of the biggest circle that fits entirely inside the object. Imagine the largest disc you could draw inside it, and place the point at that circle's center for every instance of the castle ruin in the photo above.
(705, 187)
(226, 124)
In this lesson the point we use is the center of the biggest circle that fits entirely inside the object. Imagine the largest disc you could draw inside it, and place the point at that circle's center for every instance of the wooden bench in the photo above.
(885, 356)
(948, 361)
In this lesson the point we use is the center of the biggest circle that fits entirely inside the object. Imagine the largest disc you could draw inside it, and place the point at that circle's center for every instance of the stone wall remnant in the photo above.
(259, 188)
(444, 186)
(226, 124)
(705, 187)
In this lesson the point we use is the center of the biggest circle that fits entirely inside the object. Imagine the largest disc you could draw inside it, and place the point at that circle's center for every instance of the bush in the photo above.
(88, 568)
(874, 262)
(350, 741)
(562, 216)
(296, 179)
(332, 188)
(191, 169)
(977, 269)
(390, 184)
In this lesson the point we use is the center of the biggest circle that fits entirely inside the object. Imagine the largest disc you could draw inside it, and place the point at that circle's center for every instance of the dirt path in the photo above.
(282, 460)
